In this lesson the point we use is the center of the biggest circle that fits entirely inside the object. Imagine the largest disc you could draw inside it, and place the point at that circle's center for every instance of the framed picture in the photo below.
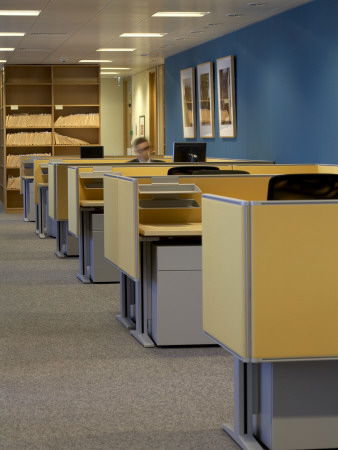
(226, 97)
(206, 100)
(188, 102)
(141, 123)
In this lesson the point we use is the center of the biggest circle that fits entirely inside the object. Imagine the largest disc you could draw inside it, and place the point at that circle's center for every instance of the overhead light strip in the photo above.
(6, 49)
(95, 61)
(115, 49)
(18, 12)
(115, 68)
(11, 34)
(180, 14)
(150, 35)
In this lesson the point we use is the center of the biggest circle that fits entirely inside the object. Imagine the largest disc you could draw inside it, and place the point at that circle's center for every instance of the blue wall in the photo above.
(286, 87)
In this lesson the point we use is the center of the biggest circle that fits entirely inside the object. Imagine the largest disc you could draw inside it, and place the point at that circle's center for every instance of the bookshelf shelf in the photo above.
(29, 91)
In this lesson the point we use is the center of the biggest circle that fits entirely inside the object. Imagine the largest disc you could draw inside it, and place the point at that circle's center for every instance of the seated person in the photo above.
(142, 149)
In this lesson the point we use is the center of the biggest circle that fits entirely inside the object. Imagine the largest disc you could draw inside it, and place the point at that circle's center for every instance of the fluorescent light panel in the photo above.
(180, 14)
(18, 12)
(11, 34)
(95, 60)
(6, 49)
(109, 73)
(115, 49)
(142, 35)
(3, 60)
(115, 68)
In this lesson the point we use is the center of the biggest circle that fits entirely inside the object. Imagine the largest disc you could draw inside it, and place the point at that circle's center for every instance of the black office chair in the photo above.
(221, 172)
(303, 186)
(190, 170)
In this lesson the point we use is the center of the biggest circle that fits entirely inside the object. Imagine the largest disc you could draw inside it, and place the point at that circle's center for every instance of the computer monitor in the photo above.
(91, 151)
(189, 151)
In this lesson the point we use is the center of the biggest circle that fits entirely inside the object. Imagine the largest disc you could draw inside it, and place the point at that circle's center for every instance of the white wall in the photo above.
(111, 117)
(140, 102)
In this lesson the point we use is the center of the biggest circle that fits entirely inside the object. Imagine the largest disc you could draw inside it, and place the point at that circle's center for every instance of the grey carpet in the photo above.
(73, 378)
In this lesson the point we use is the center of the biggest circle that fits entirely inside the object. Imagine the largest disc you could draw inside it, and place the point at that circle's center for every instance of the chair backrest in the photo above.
(190, 170)
(303, 186)
(221, 172)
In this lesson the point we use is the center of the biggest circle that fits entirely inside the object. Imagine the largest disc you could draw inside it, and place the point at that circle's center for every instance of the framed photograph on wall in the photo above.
(226, 97)
(188, 102)
(206, 100)
(141, 123)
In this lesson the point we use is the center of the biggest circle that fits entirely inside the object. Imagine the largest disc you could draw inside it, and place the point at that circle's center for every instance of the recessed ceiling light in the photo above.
(180, 14)
(115, 49)
(18, 12)
(12, 34)
(234, 15)
(115, 68)
(108, 73)
(95, 60)
(6, 49)
(142, 35)
(3, 60)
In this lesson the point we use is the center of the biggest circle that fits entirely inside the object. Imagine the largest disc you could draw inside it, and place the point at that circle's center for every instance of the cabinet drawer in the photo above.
(178, 257)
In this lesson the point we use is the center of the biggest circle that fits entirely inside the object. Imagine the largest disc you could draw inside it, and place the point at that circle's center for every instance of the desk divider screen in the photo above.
(121, 239)
(224, 273)
(294, 280)
(51, 196)
(277, 169)
(39, 177)
(73, 202)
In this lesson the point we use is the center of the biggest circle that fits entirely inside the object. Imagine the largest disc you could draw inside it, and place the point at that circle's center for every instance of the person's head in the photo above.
(142, 149)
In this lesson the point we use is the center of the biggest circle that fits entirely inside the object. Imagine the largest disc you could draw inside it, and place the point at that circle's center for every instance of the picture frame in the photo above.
(188, 102)
(226, 96)
(141, 123)
(206, 100)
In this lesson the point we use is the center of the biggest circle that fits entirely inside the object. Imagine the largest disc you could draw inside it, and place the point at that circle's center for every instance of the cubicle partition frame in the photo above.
(261, 377)
(158, 224)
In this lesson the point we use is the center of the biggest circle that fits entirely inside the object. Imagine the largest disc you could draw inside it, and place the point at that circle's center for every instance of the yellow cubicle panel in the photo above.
(39, 177)
(121, 238)
(294, 280)
(224, 273)
(327, 168)
(73, 202)
(277, 169)
(246, 187)
(51, 197)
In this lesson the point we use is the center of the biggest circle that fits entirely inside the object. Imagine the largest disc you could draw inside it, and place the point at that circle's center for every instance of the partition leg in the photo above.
(84, 246)
(42, 213)
(123, 317)
(60, 238)
(142, 300)
(241, 431)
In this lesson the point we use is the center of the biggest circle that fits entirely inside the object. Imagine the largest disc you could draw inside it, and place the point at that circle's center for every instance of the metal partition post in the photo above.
(124, 316)
(141, 300)
(241, 431)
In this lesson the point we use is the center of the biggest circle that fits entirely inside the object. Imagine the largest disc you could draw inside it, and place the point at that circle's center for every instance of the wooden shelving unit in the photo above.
(28, 91)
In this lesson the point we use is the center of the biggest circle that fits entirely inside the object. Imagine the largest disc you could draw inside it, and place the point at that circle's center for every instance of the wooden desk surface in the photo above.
(88, 203)
(170, 229)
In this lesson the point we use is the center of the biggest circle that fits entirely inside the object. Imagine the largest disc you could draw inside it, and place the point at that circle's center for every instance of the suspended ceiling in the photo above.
(67, 31)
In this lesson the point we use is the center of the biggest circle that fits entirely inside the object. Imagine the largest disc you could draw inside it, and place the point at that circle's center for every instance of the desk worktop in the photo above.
(91, 203)
(170, 229)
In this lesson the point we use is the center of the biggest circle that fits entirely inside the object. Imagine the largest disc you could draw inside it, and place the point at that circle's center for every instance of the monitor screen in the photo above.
(91, 151)
(189, 151)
